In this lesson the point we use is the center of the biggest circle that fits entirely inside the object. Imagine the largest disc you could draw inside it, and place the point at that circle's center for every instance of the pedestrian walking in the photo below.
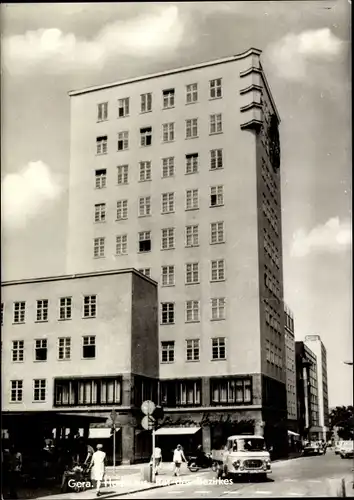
(98, 467)
(90, 452)
(178, 458)
(157, 456)
(10, 475)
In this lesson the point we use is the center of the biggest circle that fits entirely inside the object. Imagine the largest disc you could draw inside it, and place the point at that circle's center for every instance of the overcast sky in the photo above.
(48, 50)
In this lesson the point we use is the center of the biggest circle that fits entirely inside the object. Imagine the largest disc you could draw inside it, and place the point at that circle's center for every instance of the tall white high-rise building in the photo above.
(315, 343)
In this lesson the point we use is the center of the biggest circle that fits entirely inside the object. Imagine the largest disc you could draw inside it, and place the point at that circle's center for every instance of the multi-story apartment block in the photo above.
(316, 345)
(290, 368)
(307, 392)
(177, 174)
(79, 345)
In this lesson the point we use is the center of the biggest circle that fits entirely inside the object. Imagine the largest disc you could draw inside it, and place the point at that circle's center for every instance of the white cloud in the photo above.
(292, 55)
(25, 193)
(333, 236)
(146, 36)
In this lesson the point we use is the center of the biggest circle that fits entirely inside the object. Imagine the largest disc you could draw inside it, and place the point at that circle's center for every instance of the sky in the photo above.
(49, 49)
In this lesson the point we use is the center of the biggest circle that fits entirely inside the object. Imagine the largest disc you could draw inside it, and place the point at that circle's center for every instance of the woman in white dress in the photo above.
(98, 467)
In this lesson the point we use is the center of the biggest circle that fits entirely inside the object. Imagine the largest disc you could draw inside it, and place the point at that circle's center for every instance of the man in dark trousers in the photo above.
(9, 473)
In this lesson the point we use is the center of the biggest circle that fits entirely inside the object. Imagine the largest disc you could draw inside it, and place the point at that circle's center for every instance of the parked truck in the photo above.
(243, 455)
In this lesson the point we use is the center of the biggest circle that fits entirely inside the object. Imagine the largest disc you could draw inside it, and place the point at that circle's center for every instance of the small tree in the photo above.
(342, 417)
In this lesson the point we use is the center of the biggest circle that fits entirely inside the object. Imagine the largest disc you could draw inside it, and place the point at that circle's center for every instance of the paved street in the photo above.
(308, 476)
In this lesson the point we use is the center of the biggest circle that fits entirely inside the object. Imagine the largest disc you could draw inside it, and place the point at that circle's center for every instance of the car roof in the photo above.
(245, 436)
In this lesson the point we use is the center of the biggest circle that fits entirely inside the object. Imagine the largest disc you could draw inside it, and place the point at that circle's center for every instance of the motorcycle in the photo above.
(201, 462)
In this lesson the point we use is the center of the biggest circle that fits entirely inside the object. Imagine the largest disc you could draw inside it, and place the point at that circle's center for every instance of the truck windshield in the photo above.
(251, 444)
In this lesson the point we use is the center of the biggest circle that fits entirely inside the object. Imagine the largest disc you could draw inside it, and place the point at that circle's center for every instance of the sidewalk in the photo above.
(129, 479)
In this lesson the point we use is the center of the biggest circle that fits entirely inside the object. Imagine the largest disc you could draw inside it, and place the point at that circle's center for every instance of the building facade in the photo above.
(316, 345)
(178, 175)
(307, 392)
(290, 369)
(82, 344)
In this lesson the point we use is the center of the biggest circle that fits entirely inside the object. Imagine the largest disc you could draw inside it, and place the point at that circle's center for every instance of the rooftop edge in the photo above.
(94, 274)
(236, 57)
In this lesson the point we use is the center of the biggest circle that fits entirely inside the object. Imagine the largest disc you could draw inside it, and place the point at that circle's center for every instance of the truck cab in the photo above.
(244, 454)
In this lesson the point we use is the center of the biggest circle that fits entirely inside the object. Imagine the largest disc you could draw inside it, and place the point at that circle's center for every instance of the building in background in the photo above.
(307, 392)
(177, 174)
(315, 343)
(75, 347)
(290, 362)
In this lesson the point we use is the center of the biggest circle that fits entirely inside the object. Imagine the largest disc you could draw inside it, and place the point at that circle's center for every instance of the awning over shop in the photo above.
(291, 433)
(175, 431)
(100, 433)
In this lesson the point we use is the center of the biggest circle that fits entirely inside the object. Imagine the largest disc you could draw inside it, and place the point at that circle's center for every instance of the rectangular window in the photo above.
(100, 212)
(168, 275)
(98, 247)
(41, 350)
(167, 352)
(100, 178)
(122, 244)
(193, 349)
(144, 206)
(188, 393)
(16, 393)
(18, 350)
(192, 199)
(218, 308)
(101, 145)
(19, 312)
(145, 241)
(168, 132)
(168, 238)
(216, 123)
(216, 196)
(192, 273)
(167, 313)
(123, 107)
(145, 171)
(191, 93)
(122, 209)
(102, 111)
(218, 270)
(64, 348)
(146, 103)
(39, 389)
(146, 136)
(192, 311)
(168, 167)
(215, 87)
(110, 392)
(231, 391)
(191, 128)
(216, 159)
(192, 163)
(89, 347)
(87, 392)
(65, 306)
(42, 310)
(192, 235)
(168, 98)
(217, 233)
(146, 271)
(123, 140)
(122, 174)
(167, 203)
(90, 306)
(218, 348)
